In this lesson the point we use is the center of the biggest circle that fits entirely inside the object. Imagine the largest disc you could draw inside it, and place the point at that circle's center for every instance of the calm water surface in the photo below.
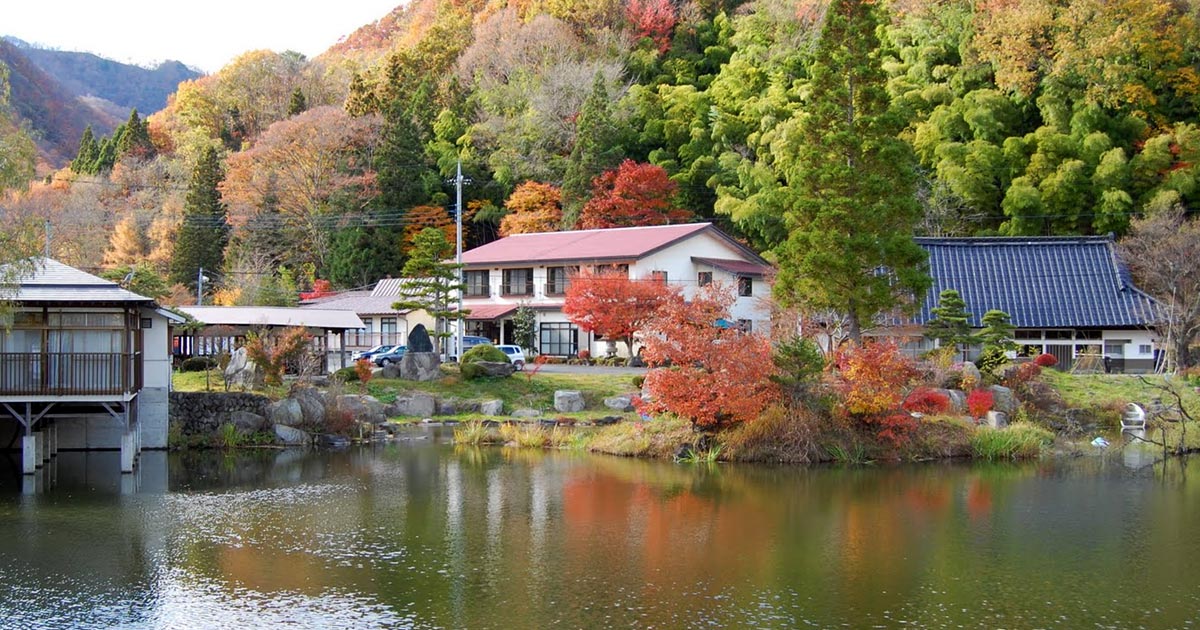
(425, 535)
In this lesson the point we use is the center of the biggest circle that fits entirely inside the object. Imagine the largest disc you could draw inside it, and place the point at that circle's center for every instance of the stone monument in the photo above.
(420, 362)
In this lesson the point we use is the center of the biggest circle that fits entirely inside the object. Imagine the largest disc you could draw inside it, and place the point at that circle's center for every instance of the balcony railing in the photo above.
(556, 288)
(69, 373)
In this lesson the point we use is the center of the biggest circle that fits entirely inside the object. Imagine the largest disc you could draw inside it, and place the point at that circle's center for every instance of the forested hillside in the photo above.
(1021, 117)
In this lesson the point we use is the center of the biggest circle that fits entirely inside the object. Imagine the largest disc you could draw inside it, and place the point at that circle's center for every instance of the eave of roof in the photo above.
(739, 267)
(606, 245)
(328, 319)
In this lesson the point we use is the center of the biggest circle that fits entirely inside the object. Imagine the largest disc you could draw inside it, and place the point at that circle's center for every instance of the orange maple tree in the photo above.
(873, 380)
(532, 207)
(610, 303)
(711, 374)
(654, 19)
(422, 217)
(632, 195)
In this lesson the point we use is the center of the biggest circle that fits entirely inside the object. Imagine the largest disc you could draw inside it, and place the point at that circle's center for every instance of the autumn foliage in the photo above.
(927, 401)
(654, 19)
(631, 195)
(611, 304)
(979, 402)
(1046, 360)
(873, 378)
(532, 207)
(272, 351)
(710, 375)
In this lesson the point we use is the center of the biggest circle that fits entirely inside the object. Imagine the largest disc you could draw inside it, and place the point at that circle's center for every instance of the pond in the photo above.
(423, 534)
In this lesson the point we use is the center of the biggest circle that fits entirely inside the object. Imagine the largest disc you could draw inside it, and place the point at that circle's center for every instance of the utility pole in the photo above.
(49, 227)
(199, 287)
(458, 213)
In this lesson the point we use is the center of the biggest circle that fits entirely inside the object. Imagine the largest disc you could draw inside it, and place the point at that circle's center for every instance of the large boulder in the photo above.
(312, 406)
(418, 339)
(495, 368)
(567, 401)
(290, 436)
(996, 419)
(491, 407)
(247, 422)
(1003, 399)
(287, 412)
(241, 371)
(958, 399)
(420, 366)
(363, 409)
(417, 404)
(391, 370)
(970, 372)
(620, 403)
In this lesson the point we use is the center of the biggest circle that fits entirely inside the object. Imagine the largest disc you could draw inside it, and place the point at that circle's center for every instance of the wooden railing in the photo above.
(69, 373)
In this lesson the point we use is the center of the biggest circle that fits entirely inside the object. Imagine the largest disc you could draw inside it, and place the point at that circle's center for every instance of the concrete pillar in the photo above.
(54, 440)
(39, 446)
(29, 454)
(127, 452)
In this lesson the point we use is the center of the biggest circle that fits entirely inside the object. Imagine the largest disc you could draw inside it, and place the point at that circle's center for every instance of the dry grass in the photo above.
(780, 435)
(656, 438)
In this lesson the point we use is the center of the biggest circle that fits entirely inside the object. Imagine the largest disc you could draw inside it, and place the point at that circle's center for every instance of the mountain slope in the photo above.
(58, 116)
(85, 74)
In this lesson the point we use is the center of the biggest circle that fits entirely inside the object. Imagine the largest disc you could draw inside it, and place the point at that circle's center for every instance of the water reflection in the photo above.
(423, 534)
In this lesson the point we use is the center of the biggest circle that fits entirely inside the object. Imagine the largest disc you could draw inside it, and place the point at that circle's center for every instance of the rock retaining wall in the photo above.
(203, 413)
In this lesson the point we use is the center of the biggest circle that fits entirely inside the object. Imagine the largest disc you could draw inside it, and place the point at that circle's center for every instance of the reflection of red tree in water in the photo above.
(979, 499)
(668, 531)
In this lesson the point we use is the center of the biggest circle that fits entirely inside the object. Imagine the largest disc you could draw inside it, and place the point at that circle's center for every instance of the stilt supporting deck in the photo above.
(127, 452)
(29, 459)
(53, 430)
(39, 446)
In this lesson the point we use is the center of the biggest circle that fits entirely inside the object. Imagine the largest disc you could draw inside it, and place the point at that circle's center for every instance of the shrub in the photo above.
(639, 380)
(800, 365)
(485, 352)
(197, 364)
(347, 374)
(896, 427)
(1018, 376)
(780, 435)
(979, 402)
(1018, 440)
(927, 401)
(990, 358)
(362, 368)
(1046, 360)
(584, 355)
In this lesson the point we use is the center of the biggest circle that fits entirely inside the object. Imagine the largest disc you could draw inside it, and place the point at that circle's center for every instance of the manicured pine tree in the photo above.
(595, 151)
(951, 323)
(852, 203)
(430, 284)
(205, 231)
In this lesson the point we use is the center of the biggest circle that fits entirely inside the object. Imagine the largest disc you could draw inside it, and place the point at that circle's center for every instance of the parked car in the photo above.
(370, 354)
(515, 355)
(468, 342)
(392, 356)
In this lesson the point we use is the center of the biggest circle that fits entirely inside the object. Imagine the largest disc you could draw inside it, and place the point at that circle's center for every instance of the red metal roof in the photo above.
(608, 244)
(739, 267)
(488, 312)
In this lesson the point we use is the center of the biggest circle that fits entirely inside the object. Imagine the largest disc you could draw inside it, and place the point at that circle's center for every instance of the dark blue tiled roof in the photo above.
(1042, 282)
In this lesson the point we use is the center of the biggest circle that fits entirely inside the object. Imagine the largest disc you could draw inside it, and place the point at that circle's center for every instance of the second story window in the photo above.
(556, 280)
(478, 283)
(745, 286)
(659, 276)
(518, 282)
(704, 278)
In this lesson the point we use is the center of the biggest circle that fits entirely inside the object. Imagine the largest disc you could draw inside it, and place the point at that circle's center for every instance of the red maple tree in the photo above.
(654, 19)
(711, 375)
(631, 195)
(610, 303)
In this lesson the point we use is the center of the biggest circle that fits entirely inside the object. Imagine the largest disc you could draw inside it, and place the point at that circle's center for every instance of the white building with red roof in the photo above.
(535, 269)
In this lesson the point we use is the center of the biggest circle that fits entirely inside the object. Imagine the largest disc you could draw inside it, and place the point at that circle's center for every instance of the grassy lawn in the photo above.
(1099, 390)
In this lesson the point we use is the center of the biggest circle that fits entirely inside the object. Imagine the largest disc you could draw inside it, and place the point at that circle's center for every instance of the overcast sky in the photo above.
(204, 34)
